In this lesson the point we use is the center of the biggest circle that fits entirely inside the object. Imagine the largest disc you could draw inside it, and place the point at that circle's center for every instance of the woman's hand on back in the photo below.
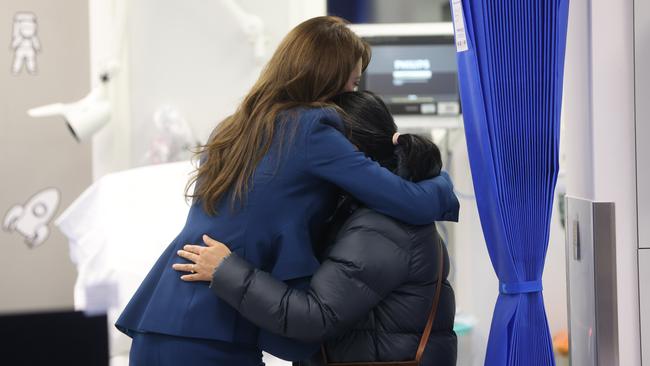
(205, 259)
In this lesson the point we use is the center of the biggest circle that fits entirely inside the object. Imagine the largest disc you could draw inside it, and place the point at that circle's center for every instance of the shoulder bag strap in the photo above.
(434, 307)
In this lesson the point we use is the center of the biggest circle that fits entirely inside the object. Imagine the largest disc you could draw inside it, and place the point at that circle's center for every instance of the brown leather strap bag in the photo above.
(425, 335)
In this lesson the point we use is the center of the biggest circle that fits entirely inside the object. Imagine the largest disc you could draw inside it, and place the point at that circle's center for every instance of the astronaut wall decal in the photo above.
(25, 43)
(31, 219)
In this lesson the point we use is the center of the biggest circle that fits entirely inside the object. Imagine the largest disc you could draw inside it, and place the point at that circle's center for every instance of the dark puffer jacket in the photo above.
(369, 300)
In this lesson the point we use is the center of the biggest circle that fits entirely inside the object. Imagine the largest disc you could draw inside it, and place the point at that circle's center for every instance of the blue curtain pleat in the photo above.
(510, 79)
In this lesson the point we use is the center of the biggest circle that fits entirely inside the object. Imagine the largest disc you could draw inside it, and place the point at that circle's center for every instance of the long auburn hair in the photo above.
(310, 66)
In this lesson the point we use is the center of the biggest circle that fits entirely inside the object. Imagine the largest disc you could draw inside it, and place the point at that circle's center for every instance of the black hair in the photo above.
(370, 126)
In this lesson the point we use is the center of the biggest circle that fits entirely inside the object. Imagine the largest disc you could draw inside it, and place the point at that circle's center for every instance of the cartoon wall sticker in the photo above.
(25, 43)
(31, 219)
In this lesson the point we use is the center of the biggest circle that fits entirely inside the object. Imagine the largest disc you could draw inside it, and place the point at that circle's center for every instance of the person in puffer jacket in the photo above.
(371, 298)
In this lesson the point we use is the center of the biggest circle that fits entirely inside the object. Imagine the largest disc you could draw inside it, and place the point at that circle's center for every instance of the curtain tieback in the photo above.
(514, 288)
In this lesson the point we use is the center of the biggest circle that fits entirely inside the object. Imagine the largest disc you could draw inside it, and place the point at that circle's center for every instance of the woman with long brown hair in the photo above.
(268, 179)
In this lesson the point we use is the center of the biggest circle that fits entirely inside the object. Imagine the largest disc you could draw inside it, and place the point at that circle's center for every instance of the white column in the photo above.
(112, 144)
(600, 138)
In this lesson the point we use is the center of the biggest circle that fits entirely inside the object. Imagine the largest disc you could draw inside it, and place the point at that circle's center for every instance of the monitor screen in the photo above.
(414, 75)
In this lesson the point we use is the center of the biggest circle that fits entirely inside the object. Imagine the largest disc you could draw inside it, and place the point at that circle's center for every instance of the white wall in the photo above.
(39, 153)
(599, 118)
(190, 55)
(642, 95)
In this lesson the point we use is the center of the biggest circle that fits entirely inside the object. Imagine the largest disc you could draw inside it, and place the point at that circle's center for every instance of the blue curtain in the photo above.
(510, 64)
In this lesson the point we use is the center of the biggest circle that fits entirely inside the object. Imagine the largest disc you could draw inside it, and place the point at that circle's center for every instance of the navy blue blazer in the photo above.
(293, 191)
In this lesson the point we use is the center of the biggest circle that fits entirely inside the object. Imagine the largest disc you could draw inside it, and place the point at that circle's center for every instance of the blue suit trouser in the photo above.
(153, 349)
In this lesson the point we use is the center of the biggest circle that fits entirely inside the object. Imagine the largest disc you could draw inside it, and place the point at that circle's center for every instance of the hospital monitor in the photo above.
(413, 69)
